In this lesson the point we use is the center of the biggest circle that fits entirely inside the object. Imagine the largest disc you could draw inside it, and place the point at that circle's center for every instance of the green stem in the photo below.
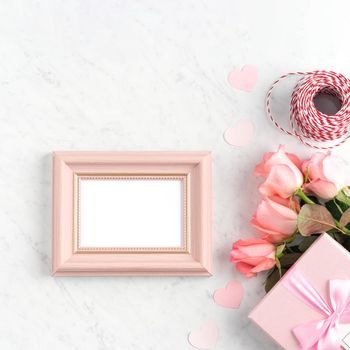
(341, 228)
(300, 193)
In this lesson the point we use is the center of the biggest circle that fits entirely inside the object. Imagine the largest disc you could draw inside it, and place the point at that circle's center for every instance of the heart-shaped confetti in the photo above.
(205, 337)
(244, 79)
(241, 134)
(231, 296)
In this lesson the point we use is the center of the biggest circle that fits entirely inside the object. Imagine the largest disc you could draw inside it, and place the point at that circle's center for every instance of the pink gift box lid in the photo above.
(280, 311)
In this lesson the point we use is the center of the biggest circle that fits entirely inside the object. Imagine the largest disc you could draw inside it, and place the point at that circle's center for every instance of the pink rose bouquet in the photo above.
(301, 199)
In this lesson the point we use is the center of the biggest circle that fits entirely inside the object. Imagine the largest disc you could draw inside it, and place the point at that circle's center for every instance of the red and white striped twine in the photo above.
(308, 123)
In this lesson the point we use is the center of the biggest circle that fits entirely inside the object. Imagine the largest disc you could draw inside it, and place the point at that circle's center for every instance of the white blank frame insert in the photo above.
(131, 213)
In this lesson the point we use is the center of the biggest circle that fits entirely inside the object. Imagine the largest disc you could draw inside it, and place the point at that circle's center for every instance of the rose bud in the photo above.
(275, 221)
(282, 173)
(252, 256)
(326, 175)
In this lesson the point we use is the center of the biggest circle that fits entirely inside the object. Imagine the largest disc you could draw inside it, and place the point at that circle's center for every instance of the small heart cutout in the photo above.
(244, 79)
(241, 134)
(231, 296)
(205, 337)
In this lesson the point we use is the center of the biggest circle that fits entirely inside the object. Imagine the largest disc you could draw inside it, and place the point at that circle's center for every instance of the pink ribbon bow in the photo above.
(320, 334)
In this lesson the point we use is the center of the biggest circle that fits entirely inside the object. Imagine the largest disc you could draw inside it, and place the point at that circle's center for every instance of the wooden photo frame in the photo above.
(132, 213)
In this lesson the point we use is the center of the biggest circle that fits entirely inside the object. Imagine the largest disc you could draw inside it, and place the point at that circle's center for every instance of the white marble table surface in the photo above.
(140, 75)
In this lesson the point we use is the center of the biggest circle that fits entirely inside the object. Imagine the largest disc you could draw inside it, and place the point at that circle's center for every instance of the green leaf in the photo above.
(345, 218)
(314, 218)
(346, 243)
(335, 208)
(272, 279)
(339, 237)
(314, 199)
(340, 204)
(343, 196)
(288, 260)
(282, 266)
(294, 248)
(306, 242)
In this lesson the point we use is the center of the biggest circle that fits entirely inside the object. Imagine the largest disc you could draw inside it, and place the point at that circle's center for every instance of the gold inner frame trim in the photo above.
(185, 191)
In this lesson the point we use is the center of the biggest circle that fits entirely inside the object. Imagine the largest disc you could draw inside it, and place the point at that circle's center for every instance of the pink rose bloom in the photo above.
(325, 174)
(282, 173)
(291, 202)
(252, 256)
(275, 221)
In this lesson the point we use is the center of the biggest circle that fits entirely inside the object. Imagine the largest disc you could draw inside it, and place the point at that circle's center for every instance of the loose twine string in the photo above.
(308, 123)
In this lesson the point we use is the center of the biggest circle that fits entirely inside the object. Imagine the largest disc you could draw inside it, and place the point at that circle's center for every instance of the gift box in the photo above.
(309, 308)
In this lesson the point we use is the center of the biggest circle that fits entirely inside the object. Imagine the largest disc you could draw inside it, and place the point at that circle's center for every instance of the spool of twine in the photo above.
(311, 126)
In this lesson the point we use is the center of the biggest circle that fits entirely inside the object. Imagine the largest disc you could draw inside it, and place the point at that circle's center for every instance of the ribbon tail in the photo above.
(310, 334)
(330, 340)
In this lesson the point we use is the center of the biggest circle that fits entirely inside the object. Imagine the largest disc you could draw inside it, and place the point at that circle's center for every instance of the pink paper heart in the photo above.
(244, 79)
(231, 296)
(241, 134)
(205, 337)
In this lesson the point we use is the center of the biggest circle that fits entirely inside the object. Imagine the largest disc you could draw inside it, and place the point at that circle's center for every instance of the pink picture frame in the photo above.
(78, 174)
